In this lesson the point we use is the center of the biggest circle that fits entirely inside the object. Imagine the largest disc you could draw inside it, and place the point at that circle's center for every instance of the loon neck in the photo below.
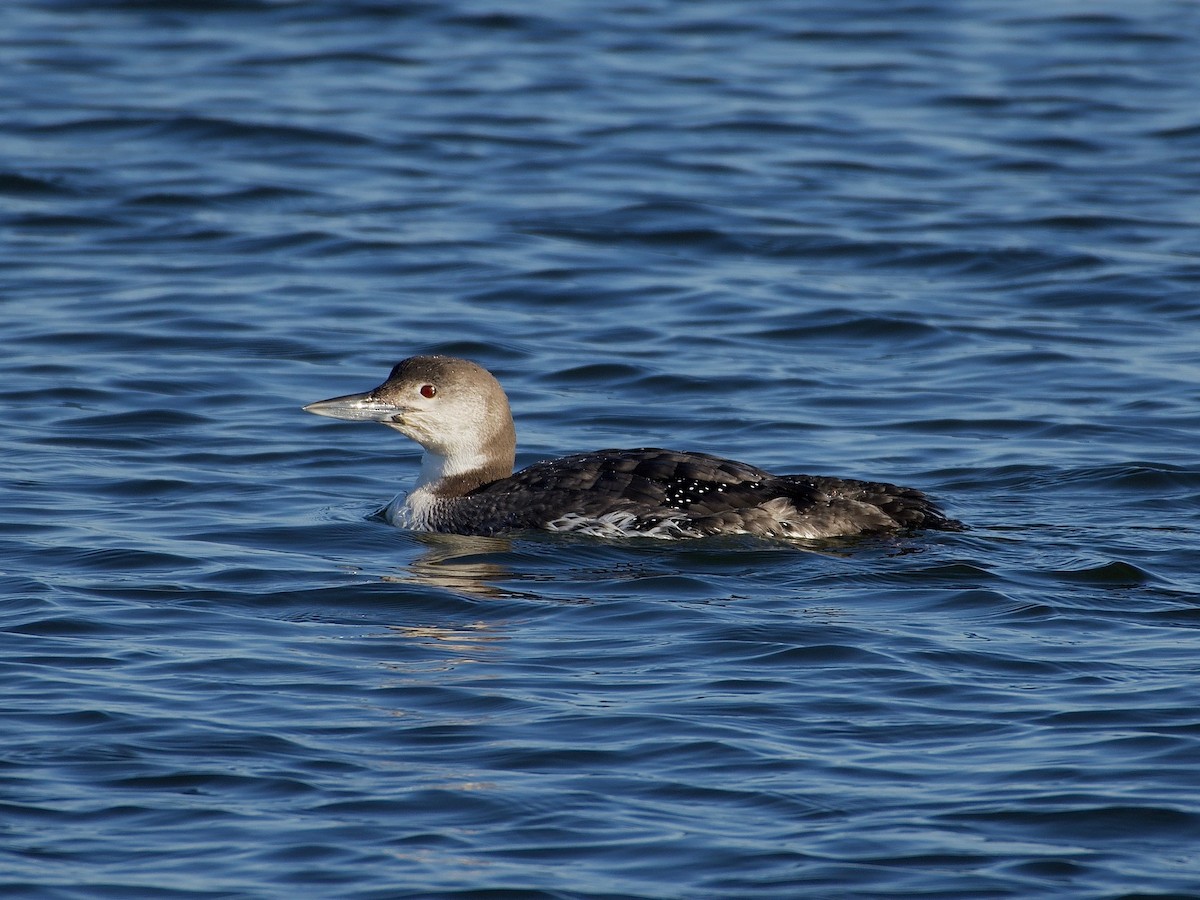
(459, 475)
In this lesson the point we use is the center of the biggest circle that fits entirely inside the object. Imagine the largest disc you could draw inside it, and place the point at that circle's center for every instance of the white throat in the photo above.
(435, 467)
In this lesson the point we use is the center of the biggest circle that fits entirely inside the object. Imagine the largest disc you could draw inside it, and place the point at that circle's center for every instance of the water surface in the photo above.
(929, 243)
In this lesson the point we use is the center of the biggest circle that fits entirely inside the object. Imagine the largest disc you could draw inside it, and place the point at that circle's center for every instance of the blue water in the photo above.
(946, 244)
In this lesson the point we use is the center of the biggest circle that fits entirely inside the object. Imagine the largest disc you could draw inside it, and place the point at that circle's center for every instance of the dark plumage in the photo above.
(675, 494)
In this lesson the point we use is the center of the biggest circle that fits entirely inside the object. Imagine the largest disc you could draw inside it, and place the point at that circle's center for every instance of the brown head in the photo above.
(456, 410)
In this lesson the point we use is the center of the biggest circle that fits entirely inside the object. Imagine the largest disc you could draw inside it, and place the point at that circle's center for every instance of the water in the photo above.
(934, 243)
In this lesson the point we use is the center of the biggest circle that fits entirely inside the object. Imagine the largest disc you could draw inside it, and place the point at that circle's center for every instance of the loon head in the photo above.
(456, 410)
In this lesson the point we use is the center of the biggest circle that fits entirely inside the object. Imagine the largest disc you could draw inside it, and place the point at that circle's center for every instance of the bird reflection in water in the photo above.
(460, 563)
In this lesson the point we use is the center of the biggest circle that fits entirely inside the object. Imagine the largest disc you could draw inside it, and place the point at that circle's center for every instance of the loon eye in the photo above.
(428, 391)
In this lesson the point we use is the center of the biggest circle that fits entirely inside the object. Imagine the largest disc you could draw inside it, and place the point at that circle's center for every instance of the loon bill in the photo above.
(459, 414)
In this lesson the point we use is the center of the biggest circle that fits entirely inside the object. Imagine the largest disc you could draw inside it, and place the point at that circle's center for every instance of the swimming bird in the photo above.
(459, 414)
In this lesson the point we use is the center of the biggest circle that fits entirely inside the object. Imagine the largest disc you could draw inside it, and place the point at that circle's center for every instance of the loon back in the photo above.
(666, 493)
(459, 414)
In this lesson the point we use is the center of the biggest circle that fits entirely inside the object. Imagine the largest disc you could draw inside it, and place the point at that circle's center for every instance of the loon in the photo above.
(459, 414)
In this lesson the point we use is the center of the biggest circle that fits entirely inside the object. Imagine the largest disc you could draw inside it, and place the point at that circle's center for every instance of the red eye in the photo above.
(428, 391)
